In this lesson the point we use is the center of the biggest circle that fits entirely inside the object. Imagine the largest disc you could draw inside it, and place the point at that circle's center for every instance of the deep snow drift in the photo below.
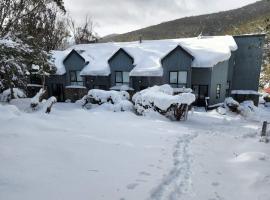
(81, 154)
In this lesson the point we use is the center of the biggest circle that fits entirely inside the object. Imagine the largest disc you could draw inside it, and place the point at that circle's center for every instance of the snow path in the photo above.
(177, 181)
(95, 154)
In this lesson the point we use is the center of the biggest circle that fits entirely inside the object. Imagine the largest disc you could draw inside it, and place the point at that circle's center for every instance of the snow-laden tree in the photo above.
(33, 24)
(13, 62)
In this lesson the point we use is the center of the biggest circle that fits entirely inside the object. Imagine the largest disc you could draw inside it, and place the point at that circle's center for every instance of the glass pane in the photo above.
(126, 77)
(79, 78)
(118, 77)
(72, 76)
(173, 77)
(182, 77)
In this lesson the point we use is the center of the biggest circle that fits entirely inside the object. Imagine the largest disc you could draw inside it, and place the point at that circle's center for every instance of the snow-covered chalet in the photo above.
(214, 67)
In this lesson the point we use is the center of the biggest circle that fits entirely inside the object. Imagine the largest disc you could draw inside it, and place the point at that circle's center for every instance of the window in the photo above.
(178, 79)
(121, 78)
(75, 78)
(218, 91)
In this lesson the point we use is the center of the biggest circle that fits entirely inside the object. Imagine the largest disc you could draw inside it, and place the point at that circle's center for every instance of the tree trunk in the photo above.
(43, 82)
(11, 93)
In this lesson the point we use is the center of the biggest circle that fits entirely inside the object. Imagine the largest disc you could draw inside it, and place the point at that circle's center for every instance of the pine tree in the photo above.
(13, 63)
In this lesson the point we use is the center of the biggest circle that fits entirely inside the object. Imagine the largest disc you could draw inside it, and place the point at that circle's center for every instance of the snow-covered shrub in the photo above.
(246, 108)
(6, 95)
(35, 101)
(231, 104)
(112, 100)
(162, 100)
(52, 100)
(266, 98)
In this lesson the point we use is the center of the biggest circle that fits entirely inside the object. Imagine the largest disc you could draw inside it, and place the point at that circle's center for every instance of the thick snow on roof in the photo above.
(58, 58)
(207, 52)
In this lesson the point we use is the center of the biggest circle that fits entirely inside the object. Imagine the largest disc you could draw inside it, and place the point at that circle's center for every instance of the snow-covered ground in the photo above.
(95, 154)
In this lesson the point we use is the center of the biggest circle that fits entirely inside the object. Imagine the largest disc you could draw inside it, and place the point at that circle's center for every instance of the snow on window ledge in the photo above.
(245, 92)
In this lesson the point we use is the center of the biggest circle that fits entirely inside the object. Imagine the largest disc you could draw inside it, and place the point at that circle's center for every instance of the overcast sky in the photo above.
(120, 16)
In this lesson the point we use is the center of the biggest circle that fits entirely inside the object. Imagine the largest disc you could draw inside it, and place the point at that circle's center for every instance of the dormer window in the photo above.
(178, 79)
(75, 78)
(121, 78)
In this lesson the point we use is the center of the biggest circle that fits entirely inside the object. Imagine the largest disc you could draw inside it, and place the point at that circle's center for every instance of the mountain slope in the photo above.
(242, 20)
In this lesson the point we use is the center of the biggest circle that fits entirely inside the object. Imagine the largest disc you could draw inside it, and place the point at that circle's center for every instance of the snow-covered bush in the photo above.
(246, 108)
(6, 95)
(112, 100)
(231, 104)
(52, 100)
(161, 99)
(37, 98)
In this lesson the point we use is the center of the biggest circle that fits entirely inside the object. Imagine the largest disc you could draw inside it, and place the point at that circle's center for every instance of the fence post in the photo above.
(264, 127)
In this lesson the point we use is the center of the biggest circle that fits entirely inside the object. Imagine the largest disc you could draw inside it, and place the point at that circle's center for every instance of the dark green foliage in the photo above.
(31, 25)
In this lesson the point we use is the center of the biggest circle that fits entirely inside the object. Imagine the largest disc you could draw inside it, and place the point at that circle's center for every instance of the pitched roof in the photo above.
(207, 52)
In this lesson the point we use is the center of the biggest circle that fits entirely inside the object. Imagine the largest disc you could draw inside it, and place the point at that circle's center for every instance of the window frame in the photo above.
(218, 91)
(178, 84)
(76, 81)
(122, 78)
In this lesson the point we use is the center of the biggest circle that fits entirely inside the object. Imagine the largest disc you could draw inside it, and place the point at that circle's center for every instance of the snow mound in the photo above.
(6, 95)
(10, 111)
(110, 100)
(251, 157)
(161, 98)
(246, 108)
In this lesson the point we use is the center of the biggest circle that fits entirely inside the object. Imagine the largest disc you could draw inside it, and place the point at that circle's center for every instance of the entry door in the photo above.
(58, 92)
(200, 91)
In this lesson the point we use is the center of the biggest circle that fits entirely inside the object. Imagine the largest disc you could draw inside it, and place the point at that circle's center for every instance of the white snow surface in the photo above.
(207, 52)
(57, 58)
(74, 153)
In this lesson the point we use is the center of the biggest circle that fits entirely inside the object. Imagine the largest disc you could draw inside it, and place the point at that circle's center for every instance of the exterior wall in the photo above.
(242, 97)
(74, 62)
(219, 76)
(140, 83)
(248, 61)
(201, 76)
(177, 60)
(231, 70)
(121, 61)
(74, 94)
(92, 82)
(56, 80)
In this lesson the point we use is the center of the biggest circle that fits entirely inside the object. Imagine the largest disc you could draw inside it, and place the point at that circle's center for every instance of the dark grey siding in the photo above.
(219, 76)
(248, 61)
(56, 80)
(74, 62)
(231, 70)
(101, 82)
(201, 76)
(140, 83)
(177, 60)
(121, 61)
(211, 77)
